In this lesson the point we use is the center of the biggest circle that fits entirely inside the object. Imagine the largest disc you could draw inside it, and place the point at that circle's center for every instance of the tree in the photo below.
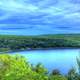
(16, 67)
(55, 72)
(72, 75)
(57, 77)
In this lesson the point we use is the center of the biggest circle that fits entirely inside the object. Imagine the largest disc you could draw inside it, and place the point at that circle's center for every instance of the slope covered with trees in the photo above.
(16, 43)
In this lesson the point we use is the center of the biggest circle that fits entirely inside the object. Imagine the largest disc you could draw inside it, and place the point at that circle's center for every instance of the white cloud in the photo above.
(49, 11)
(16, 6)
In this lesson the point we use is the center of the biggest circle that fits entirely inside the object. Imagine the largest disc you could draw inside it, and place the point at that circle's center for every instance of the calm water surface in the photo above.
(62, 59)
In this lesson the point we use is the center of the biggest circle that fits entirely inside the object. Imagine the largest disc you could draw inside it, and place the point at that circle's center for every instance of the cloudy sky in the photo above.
(39, 16)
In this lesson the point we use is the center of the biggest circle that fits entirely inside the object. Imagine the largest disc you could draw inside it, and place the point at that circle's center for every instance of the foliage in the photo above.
(72, 75)
(16, 67)
(15, 43)
(55, 72)
(57, 77)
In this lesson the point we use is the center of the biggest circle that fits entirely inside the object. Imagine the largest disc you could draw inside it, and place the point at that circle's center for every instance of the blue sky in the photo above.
(39, 16)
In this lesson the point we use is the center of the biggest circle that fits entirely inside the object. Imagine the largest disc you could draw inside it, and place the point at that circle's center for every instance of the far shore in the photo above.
(9, 43)
(55, 48)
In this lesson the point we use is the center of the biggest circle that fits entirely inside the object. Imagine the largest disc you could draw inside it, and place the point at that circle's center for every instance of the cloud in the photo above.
(17, 6)
(24, 8)
(51, 14)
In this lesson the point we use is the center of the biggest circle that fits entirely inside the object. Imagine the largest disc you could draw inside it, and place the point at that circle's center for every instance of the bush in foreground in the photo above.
(57, 77)
(16, 67)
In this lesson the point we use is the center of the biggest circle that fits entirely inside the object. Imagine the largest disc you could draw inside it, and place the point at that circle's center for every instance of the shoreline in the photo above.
(41, 49)
(45, 42)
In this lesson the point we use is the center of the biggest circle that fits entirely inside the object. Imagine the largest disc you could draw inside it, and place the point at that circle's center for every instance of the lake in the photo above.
(62, 59)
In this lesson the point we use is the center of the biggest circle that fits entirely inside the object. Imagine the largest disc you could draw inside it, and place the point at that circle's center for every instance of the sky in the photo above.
(32, 17)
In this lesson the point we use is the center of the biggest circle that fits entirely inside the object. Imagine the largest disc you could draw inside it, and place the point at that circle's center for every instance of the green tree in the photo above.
(55, 72)
(57, 77)
(16, 67)
(72, 74)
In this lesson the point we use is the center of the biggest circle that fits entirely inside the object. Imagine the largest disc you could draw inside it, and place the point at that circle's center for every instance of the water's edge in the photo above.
(41, 49)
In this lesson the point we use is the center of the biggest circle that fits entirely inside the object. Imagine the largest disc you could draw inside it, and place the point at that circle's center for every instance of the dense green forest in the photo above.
(16, 43)
(17, 67)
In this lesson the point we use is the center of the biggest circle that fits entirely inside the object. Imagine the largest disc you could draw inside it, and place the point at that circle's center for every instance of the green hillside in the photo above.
(16, 43)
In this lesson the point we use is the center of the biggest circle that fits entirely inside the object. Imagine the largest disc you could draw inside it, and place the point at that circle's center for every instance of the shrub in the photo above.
(55, 72)
(57, 77)
(17, 67)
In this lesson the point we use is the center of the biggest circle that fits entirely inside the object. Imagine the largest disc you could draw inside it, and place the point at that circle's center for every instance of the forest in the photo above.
(17, 67)
(16, 43)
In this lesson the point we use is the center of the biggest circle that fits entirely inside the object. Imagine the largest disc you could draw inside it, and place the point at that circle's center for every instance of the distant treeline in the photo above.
(14, 43)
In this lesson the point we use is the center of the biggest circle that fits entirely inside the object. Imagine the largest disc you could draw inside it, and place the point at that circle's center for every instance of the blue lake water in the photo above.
(62, 59)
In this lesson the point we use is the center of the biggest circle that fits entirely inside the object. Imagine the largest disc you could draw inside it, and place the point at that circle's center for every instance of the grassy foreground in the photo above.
(18, 68)
(16, 43)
